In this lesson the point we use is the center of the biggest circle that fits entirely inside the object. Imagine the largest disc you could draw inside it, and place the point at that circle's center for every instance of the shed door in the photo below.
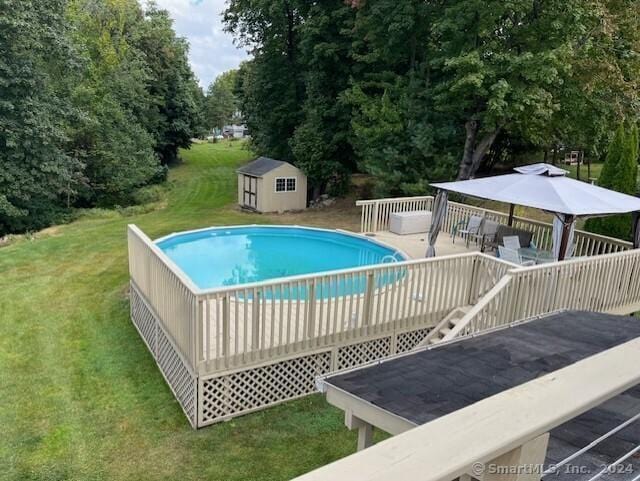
(250, 192)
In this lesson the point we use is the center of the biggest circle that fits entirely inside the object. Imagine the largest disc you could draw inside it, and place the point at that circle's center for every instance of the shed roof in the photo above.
(260, 166)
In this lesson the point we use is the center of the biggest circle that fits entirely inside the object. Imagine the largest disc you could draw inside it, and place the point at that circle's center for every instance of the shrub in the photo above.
(620, 172)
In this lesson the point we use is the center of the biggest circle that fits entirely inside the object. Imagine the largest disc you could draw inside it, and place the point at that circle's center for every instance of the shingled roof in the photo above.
(260, 166)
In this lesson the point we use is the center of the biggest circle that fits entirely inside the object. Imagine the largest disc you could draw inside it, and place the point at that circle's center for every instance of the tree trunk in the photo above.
(316, 192)
(471, 127)
(474, 150)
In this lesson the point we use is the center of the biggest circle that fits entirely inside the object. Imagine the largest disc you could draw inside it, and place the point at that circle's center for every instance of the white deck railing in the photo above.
(297, 327)
(223, 328)
(226, 328)
(375, 218)
(375, 213)
(171, 294)
(275, 319)
(609, 283)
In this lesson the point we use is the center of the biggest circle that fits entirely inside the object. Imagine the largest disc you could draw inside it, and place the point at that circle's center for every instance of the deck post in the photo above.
(365, 436)
(311, 316)
(374, 226)
(226, 332)
(198, 331)
(524, 463)
(255, 334)
(365, 429)
(368, 299)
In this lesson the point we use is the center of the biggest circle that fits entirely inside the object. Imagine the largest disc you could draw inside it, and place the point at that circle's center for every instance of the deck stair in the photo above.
(445, 326)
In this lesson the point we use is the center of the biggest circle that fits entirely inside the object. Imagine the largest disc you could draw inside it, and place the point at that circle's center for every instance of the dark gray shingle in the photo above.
(260, 166)
(428, 384)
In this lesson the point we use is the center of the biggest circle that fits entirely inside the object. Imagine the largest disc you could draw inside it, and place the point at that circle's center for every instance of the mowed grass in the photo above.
(596, 169)
(81, 397)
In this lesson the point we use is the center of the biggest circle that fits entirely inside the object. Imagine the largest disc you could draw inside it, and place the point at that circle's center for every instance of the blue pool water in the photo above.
(220, 257)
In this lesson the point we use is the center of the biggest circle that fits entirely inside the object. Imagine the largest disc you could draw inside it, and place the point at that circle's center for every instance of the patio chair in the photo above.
(473, 226)
(511, 242)
(513, 256)
(524, 236)
(488, 231)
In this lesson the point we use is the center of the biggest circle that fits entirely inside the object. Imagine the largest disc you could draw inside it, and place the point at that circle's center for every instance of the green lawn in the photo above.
(80, 396)
(573, 171)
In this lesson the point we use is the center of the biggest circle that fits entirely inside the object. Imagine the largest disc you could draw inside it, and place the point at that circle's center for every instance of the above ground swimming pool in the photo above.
(228, 256)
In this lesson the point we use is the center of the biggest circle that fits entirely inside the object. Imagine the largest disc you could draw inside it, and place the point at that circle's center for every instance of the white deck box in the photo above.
(410, 222)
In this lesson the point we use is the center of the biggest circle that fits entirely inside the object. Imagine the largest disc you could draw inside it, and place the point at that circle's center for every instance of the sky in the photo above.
(211, 48)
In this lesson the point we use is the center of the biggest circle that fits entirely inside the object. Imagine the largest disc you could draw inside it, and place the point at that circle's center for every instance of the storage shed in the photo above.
(269, 185)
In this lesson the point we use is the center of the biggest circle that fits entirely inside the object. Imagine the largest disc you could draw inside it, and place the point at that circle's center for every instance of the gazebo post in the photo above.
(512, 208)
(567, 221)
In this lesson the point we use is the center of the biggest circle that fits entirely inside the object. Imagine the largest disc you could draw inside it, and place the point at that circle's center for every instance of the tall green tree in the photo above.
(398, 134)
(171, 84)
(321, 143)
(273, 91)
(36, 171)
(200, 128)
(603, 84)
(430, 88)
(113, 139)
(620, 173)
(221, 103)
(94, 94)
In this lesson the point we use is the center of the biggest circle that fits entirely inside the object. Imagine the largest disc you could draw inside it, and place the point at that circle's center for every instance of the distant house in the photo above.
(269, 185)
(235, 131)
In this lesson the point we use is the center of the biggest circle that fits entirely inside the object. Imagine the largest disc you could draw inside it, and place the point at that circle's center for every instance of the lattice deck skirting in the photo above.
(241, 392)
(176, 371)
(211, 398)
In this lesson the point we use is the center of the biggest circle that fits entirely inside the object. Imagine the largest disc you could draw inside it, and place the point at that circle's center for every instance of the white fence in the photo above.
(608, 284)
(254, 345)
(375, 217)
(271, 320)
(169, 293)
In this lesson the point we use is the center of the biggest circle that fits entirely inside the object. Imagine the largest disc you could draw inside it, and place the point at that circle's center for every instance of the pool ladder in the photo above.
(389, 259)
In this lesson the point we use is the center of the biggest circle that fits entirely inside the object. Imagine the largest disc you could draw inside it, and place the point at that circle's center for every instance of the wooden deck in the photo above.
(251, 346)
(415, 245)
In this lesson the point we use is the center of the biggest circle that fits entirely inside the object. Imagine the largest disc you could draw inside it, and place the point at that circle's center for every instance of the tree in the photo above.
(221, 103)
(398, 134)
(321, 142)
(273, 83)
(112, 138)
(620, 173)
(500, 66)
(36, 173)
(603, 84)
(93, 93)
(171, 84)
(292, 92)
(419, 91)
(200, 128)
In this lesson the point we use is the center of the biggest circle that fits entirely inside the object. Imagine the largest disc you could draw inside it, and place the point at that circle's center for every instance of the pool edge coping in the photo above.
(213, 290)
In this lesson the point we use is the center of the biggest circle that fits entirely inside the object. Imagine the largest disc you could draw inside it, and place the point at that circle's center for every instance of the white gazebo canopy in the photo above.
(546, 187)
